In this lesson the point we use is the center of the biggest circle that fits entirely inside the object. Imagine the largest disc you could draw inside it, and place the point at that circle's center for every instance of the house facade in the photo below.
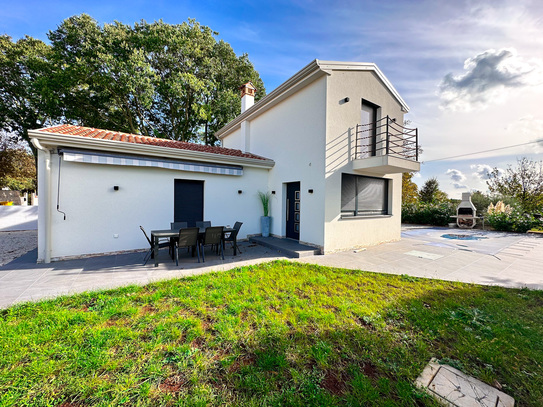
(327, 144)
(335, 132)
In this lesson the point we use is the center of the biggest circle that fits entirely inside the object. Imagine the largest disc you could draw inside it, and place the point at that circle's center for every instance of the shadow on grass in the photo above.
(278, 333)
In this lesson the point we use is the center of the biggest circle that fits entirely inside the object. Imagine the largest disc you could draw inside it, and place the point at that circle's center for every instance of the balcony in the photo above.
(386, 147)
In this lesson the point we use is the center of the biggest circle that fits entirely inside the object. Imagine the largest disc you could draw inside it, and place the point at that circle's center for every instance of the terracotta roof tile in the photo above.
(88, 132)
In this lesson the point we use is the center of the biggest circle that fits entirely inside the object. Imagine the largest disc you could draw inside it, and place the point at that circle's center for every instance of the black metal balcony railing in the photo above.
(386, 137)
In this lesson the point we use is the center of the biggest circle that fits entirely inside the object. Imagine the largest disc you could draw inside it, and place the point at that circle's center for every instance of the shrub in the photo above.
(436, 214)
(512, 219)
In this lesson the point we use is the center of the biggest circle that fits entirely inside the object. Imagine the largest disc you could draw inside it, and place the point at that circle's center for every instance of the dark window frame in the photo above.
(357, 211)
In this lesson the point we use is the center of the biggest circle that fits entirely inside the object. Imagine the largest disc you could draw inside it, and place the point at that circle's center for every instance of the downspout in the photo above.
(47, 200)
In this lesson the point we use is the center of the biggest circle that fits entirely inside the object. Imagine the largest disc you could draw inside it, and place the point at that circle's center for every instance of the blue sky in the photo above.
(471, 71)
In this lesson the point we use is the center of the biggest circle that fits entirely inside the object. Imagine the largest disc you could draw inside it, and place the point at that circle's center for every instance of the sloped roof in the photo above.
(88, 132)
(306, 75)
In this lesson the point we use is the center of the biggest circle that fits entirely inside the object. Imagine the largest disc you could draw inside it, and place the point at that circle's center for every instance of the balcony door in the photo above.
(368, 142)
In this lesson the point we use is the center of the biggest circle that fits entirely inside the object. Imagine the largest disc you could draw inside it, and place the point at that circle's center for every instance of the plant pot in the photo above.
(265, 222)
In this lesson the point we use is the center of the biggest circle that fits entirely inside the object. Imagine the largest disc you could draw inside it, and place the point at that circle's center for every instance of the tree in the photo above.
(156, 79)
(410, 192)
(17, 165)
(430, 192)
(26, 97)
(481, 201)
(524, 182)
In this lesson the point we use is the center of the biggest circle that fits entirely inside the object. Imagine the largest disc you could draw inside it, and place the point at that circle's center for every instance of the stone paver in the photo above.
(453, 388)
(510, 260)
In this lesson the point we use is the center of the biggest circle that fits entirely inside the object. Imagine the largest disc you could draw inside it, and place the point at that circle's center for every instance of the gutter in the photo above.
(46, 201)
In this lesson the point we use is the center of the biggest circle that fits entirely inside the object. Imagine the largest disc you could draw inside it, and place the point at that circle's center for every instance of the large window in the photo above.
(363, 196)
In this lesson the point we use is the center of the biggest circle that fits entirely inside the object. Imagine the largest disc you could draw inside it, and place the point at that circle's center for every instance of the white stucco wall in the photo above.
(342, 118)
(42, 208)
(292, 133)
(95, 212)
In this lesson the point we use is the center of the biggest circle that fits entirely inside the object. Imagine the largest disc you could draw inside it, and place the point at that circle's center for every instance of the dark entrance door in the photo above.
(293, 210)
(188, 201)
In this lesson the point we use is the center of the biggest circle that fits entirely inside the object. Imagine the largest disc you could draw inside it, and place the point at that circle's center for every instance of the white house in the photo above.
(328, 144)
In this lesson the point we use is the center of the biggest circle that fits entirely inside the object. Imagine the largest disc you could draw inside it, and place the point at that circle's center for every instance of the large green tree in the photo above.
(172, 81)
(27, 96)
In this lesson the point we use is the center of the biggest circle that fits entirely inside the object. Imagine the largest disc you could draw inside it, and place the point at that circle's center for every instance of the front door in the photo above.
(188, 201)
(293, 210)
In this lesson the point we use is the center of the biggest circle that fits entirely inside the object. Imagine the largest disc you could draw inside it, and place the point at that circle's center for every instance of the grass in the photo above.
(279, 333)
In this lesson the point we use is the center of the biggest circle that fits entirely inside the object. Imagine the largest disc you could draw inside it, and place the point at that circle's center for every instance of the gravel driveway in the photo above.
(15, 244)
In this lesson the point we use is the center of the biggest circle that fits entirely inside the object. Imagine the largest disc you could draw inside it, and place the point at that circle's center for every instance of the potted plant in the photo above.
(265, 220)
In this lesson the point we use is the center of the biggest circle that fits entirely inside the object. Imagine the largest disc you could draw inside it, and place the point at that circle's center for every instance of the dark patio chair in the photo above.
(188, 237)
(203, 224)
(213, 236)
(178, 225)
(160, 246)
(233, 237)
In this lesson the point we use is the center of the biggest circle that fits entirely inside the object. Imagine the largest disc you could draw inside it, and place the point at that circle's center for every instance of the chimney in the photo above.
(247, 96)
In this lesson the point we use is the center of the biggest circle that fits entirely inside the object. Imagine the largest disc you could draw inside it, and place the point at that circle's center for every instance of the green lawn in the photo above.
(278, 333)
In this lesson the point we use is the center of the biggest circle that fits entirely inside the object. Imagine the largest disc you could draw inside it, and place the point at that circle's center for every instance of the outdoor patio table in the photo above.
(156, 235)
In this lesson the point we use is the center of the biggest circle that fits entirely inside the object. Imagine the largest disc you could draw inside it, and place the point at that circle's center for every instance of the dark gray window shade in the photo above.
(348, 193)
(363, 195)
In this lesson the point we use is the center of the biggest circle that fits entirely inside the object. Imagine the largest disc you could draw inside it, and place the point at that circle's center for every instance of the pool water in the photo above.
(463, 237)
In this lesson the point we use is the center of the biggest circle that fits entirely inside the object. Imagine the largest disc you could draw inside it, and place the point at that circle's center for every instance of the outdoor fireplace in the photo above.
(466, 212)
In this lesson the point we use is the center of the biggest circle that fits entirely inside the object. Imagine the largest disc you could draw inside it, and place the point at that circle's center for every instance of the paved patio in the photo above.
(505, 259)
(509, 260)
(24, 280)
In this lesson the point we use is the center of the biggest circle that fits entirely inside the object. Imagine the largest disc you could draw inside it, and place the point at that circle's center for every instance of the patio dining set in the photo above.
(195, 239)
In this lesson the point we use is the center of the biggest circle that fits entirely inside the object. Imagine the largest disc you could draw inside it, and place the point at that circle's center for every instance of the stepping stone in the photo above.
(455, 389)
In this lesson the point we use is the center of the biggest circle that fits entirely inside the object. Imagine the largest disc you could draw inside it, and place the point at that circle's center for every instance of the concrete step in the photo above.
(289, 247)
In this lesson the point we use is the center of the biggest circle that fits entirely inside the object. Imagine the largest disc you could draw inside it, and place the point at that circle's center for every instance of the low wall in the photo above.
(18, 218)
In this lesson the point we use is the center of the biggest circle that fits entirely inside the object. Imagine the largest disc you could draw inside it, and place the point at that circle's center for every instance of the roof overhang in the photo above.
(313, 71)
(52, 140)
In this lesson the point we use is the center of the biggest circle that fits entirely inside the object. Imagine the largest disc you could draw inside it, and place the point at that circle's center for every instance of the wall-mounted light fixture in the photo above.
(273, 192)
(310, 191)
(240, 191)
(116, 188)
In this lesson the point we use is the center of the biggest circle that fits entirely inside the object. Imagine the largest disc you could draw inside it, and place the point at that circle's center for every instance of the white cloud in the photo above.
(488, 79)
(457, 177)
(481, 171)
